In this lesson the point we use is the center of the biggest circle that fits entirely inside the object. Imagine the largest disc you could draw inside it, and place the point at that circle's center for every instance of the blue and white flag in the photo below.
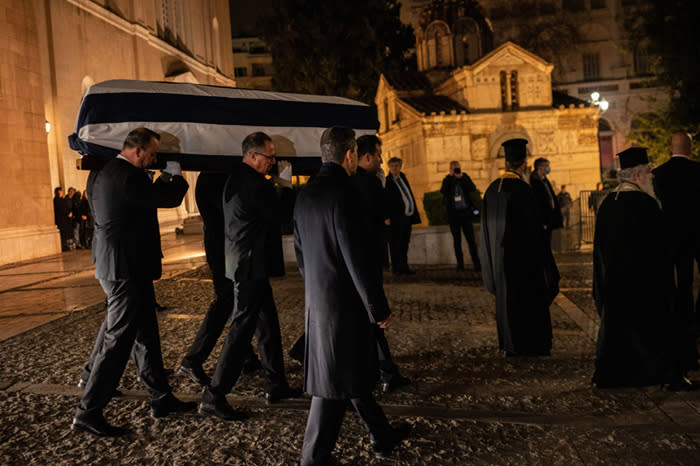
(203, 126)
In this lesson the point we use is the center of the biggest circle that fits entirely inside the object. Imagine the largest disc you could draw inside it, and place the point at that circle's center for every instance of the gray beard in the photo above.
(648, 186)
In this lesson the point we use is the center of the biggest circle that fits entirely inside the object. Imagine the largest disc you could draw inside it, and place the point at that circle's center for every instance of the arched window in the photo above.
(467, 42)
(514, 94)
(438, 44)
(216, 42)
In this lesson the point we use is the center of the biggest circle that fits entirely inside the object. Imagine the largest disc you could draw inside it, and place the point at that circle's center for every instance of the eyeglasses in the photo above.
(268, 157)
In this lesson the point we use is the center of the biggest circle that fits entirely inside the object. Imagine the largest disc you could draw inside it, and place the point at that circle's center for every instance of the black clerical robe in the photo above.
(518, 267)
(633, 290)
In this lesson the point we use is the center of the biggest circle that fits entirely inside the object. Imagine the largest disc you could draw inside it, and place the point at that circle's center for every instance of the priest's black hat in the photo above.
(632, 157)
(515, 150)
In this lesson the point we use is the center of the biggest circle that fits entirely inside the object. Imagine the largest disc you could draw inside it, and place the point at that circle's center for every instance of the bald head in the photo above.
(681, 143)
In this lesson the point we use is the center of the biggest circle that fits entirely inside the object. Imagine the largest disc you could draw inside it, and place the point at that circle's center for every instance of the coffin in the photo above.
(202, 126)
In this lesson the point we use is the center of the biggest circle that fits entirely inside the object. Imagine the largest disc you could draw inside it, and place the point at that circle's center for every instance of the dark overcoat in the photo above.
(253, 215)
(518, 267)
(394, 201)
(372, 201)
(124, 203)
(344, 293)
(677, 186)
(209, 196)
(550, 216)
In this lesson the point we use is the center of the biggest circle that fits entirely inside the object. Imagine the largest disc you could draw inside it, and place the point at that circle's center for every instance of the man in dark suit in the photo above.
(208, 194)
(127, 255)
(253, 214)
(677, 185)
(371, 196)
(402, 213)
(458, 191)
(61, 210)
(344, 299)
(548, 205)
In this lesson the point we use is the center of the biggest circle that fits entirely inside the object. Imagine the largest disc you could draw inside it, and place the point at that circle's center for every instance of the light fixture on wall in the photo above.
(48, 127)
(599, 102)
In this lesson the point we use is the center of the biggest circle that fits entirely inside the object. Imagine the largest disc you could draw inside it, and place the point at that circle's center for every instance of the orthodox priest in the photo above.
(517, 264)
(633, 285)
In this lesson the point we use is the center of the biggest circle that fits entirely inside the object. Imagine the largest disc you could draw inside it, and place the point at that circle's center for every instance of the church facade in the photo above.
(53, 50)
(468, 98)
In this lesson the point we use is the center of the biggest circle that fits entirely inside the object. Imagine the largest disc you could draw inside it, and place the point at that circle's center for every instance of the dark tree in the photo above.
(668, 29)
(335, 47)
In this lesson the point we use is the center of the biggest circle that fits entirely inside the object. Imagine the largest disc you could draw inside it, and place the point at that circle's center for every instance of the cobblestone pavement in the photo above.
(466, 404)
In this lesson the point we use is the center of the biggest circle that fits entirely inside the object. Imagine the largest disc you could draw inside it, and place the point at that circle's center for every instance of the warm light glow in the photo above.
(604, 105)
(48, 127)
(595, 97)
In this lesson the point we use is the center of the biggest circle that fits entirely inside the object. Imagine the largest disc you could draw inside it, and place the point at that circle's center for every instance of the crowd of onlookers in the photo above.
(73, 218)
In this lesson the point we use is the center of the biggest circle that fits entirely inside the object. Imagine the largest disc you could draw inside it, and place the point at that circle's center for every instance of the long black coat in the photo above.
(517, 267)
(677, 185)
(124, 203)
(344, 293)
(550, 216)
(394, 201)
(60, 214)
(253, 215)
(633, 291)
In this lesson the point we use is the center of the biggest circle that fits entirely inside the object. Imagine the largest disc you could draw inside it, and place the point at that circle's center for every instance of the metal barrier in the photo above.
(588, 204)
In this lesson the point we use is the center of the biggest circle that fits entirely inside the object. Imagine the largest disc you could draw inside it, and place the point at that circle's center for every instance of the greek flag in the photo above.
(203, 126)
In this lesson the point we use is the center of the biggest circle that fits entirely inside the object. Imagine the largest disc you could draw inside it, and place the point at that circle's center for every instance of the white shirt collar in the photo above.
(680, 155)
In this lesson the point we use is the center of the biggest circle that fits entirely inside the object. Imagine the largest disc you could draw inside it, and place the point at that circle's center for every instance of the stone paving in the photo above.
(467, 405)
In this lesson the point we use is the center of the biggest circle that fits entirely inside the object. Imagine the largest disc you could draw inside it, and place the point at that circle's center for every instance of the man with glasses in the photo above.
(253, 214)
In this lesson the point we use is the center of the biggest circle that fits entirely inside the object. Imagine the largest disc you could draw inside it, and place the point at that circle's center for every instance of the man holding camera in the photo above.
(459, 193)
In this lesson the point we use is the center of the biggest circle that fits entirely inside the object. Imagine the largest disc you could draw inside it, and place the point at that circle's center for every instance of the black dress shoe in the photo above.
(98, 426)
(683, 384)
(385, 446)
(116, 393)
(222, 410)
(276, 396)
(195, 374)
(396, 382)
(169, 405)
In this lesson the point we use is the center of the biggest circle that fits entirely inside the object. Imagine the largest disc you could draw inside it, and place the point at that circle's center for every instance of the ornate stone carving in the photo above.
(508, 60)
(546, 143)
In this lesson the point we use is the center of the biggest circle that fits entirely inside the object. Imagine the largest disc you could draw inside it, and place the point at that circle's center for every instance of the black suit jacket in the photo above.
(253, 215)
(550, 216)
(394, 201)
(209, 193)
(677, 186)
(344, 293)
(448, 192)
(370, 196)
(124, 203)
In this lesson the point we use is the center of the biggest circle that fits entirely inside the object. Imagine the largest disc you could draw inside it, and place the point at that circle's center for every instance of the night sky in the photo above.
(244, 14)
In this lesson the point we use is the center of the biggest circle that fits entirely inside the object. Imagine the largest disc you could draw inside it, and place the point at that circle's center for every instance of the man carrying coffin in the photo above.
(633, 285)
(127, 256)
(517, 263)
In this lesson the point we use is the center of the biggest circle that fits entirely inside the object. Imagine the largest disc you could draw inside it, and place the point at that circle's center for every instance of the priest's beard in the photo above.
(647, 185)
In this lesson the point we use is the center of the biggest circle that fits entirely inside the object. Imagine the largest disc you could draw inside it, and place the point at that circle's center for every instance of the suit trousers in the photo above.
(399, 237)
(459, 224)
(255, 312)
(684, 265)
(323, 426)
(130, 327)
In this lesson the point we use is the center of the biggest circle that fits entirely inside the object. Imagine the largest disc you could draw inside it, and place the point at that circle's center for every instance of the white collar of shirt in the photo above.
(120, 156)
(680, 155)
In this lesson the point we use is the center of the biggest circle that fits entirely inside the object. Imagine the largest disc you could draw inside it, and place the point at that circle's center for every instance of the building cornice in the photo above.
(144, 33)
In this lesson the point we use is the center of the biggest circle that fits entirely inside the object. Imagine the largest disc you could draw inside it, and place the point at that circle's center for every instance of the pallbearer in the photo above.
(517, 263)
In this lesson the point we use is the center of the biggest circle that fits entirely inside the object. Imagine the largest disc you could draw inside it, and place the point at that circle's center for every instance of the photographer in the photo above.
(458, 190)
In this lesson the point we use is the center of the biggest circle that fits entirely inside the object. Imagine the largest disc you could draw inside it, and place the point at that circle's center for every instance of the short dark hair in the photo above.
(253, 141)
(395, 159)
(540, 161)
(56, 191)
(335, 142)
(368, 144)
(563, 186)
(140, 137)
